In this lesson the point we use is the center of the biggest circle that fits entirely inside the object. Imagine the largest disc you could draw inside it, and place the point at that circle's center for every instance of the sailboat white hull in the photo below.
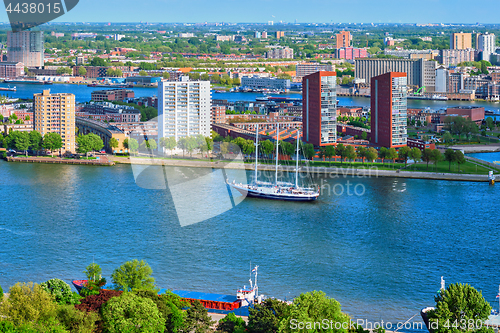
(274, 194)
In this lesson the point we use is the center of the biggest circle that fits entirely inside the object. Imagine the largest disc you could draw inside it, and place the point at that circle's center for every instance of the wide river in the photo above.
(82, 94)
(380, 254)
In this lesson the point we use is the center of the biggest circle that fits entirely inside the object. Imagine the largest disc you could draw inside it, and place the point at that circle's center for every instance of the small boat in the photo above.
(439, 98)
(277, 190)
(8, 88)
(24, 81)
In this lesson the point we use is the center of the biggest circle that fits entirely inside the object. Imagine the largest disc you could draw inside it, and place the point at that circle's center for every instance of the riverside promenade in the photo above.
(332, 172)
(103, 160)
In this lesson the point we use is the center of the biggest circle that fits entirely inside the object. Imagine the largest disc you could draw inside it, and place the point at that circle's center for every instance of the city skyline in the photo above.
(290, 11)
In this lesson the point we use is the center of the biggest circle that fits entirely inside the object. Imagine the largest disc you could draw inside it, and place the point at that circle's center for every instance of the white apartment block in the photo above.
(486, 44)
(454, 57)
(309, 68)
(280, 53)
(183, 109)
(257, 82)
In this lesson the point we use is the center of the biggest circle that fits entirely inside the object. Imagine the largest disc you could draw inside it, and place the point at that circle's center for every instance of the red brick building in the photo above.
(218, 113)
(420, 144)
(388, 110)
(11, 70)
(476, 114)
(350, 53)
(343, 39)
(319, 108)
(112, 95)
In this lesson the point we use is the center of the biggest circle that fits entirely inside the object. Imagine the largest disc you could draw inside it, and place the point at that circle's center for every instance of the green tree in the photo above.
(267, 316)
(149, 145)
(191, 145)
(415, 155)
(125, 144)
(89, 142)
(427, 156)
(134, 274)
(459, 158)
(22, 140)
(308, 151)
(459, 303)
(364, 135)
(231, 324)
(392, 154)
(484, 67)
(169, 143)
(133, 145)
(96, 61)
(330, 152)
(490, 123)
(95, 281)
(131, 313)
(143, 73)
(113, 143)
(287, 148)
(35, 141)
(28, 304)
(266, 147)
(341, 151)
(52, 142)
(383, 154)
(403, 154)
(436, 157)
(61, 291)
(447, 138)
(82, 71)
(166, 75)
(351, 153)
(450, 157)
(314, 307)
(249, 147)
(371, 154)
(197, 319)
(76, 321)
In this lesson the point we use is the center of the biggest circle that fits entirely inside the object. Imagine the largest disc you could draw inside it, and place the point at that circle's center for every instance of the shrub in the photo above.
(28, 303)
(131, 313)
(8, 327)
(61, 291)
(197, 318)
(231, 324)
(170, 306)
(95, 302)
(1, 294)
(77, 321)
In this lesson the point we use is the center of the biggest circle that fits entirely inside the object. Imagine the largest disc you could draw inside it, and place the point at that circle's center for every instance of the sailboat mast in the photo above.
(297, 164)
(277, 152)
(256, 150)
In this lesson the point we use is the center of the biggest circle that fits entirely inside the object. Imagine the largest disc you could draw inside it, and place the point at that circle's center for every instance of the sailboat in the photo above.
(276, 190)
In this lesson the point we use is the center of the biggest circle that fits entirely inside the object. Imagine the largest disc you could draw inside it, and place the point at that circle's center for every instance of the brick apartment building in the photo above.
(388, 110)
(112, 95)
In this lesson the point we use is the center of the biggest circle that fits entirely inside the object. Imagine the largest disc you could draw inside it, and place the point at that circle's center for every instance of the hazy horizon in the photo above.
(288, 11)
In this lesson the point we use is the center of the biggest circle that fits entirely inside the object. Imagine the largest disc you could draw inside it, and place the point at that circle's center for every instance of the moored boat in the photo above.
(219, 303)
(276, 190)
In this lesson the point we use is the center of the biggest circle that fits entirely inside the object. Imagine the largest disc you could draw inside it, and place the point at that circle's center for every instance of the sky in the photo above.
(301, 11)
